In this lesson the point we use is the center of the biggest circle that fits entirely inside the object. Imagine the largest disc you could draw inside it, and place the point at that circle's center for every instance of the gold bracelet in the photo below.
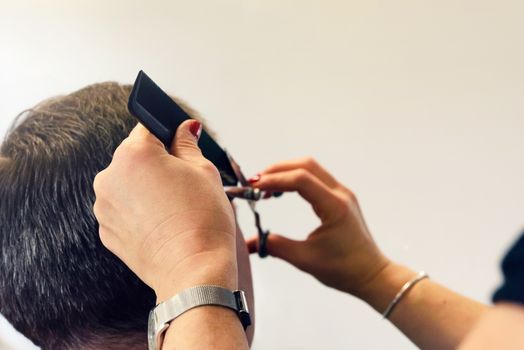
(405, 288)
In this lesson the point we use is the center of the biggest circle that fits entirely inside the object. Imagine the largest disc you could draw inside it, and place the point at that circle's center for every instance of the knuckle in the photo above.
(125, 142)
(341, 206)
(348, 194)
(100, 206)
(119, 153)
(343, 202)
(104, 237)
(184, 143)
(302, 175)
(208, 167)
(130, 151)
(98, 181)
(136, 149)
(122, 148)
(96, 209)
(310, 163)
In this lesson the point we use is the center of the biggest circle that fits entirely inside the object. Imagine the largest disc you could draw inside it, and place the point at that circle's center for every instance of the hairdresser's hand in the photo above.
(341, 252)
(166, 214)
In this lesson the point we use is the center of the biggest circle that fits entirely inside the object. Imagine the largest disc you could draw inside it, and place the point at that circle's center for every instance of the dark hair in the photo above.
(58, 285)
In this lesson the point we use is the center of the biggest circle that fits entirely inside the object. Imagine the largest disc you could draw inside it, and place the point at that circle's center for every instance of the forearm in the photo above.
(342, 254)
(431, 316)
(499, 328)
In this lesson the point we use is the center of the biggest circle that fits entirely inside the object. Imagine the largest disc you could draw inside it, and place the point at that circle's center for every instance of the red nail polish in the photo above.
(254, 179)
(196, 129)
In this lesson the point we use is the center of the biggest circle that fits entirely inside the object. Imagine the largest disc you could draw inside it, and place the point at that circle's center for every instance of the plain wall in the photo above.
(415, 105)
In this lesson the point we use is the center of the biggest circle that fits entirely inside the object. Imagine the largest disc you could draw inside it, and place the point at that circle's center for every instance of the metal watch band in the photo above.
(165, 312)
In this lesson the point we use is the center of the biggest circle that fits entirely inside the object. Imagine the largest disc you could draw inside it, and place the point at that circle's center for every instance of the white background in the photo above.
(416, 105)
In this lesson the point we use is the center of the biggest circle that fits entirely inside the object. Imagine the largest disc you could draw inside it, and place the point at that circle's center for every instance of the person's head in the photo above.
(58, 285)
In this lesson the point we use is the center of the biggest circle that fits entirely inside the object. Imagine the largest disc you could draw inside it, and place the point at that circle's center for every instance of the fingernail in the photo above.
(196, 129)
(254, 179)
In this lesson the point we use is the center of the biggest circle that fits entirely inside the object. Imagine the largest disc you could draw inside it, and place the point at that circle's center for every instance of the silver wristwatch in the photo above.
(164, 313)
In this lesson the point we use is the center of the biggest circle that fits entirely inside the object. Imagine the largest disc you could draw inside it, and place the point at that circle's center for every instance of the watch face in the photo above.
(151, 330)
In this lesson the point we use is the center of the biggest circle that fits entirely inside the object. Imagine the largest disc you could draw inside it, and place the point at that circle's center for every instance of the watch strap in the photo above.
(190, 298)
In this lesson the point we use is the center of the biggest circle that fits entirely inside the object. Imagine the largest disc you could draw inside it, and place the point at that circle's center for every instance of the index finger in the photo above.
(138, 139)
(308, 164)
(325, 202)
(140, 133)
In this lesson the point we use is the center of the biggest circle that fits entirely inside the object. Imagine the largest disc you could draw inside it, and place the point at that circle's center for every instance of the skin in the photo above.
(500, 328)
(342, 254)
(174, 234)
(188, 227)
(245, 281)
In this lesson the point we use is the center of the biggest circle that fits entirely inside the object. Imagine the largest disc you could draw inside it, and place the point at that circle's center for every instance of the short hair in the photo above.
(59, 286)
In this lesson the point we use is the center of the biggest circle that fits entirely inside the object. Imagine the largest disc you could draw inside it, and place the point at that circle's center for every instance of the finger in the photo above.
(292, 251)
(185, 143)
(252, 244)
(325, 202)
(308, 164)
(140, 133)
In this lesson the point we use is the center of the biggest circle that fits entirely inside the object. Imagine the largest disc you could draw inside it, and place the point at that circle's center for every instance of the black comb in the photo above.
(162, 116)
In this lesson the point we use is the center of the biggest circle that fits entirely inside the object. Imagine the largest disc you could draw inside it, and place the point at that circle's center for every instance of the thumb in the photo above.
(185, 143)
(292, 251)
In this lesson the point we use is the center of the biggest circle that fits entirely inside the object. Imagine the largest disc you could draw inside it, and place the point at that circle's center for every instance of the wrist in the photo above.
(199, 270)
(379, 291)
(364, 271)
